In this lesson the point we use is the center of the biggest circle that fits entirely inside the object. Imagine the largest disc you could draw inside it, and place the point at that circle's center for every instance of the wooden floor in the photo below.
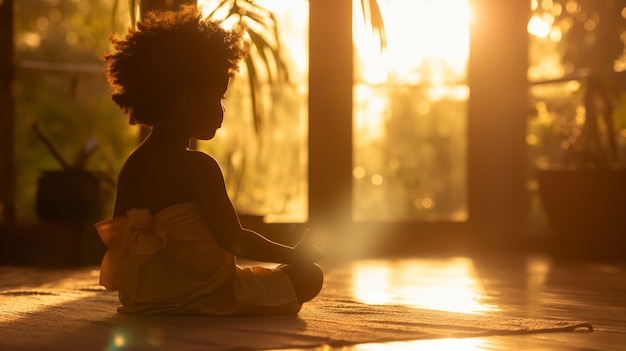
(517, 286)
(509, 285)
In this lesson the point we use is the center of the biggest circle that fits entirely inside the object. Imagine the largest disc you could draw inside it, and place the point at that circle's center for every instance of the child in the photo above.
(175, 234)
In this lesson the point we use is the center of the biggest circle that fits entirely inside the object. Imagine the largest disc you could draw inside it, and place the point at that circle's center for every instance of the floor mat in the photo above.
(75, 316)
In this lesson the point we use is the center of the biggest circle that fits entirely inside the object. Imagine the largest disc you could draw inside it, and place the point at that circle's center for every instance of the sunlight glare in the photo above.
(420, 33)
(370, 124)
(538, 27)
(444, 285)
(465, 344)
(370, 283)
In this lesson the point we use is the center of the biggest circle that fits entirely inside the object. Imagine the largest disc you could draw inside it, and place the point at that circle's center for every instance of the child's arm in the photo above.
(218, 210)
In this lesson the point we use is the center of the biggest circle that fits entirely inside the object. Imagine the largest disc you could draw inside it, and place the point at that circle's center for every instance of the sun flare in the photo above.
(420, 33)
(445, 285)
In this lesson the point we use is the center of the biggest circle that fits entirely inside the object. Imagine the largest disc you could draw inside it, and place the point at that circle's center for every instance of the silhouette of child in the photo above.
(174, 235)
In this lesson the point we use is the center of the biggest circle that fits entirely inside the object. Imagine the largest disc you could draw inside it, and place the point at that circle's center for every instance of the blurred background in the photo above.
(397, 126)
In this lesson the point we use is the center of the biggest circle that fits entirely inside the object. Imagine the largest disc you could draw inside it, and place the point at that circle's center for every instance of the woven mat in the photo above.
(84, 318)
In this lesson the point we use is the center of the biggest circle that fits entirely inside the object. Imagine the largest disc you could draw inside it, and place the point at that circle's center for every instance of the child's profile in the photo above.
(174, 235)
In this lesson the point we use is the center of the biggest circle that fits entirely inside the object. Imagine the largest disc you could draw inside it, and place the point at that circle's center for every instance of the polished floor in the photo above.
(528, 286)
(517, 286)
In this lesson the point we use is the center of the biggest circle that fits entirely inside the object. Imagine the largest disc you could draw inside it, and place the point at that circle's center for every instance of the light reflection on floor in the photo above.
(446, 284)
(437, 284)
(468, 344)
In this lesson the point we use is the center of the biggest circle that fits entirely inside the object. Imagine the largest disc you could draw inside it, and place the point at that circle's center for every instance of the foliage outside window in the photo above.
(571, 40)
(410, 111)
(573, 43)
(60, 84)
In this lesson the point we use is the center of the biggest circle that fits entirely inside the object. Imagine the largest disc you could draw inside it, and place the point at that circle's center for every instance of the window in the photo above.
(410, 112)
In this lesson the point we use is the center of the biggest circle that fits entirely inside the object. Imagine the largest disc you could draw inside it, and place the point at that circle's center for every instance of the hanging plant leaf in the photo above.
(257, 110)
(373, 16)
(262, 40)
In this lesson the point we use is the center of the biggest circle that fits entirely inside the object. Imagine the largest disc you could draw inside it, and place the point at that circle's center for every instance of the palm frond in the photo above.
(132, 13)
(114, 10)
(132, 8)
(256, 14)
(373, 16)
(257, 110)
(262, 39)
(216, 8)
(282, 65)
(261, 45)
(275, 65)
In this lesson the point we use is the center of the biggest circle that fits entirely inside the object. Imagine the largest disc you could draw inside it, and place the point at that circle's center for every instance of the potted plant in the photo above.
(578, 132)
(583, 189)
(72, 193)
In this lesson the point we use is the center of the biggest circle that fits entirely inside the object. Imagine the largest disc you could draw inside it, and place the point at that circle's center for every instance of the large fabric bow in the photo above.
(143, 234)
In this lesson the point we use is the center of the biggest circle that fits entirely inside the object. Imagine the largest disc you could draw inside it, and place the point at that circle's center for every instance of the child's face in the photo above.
(207, 111)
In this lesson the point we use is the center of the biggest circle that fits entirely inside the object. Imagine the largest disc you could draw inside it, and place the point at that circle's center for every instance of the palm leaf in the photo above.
(114, 10)
(264, 50)
(257, 110)
(278, 50)
(212, 13)
(259, 43)
(263, 47)
(132, 13)
(132, 6)
(373, 16)
(249, 10)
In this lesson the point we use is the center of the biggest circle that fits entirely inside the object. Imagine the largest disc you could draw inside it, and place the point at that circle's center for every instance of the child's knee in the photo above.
(317, 274)
(307, 280)
(311, 283)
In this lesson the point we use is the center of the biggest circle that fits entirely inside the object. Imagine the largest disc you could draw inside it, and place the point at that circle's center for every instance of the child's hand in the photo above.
(306, 250)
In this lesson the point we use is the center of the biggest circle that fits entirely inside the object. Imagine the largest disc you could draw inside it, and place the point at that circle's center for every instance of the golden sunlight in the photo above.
(420, 33)
(464, 344)
(444, 285)
(410, 108)
(539, 26)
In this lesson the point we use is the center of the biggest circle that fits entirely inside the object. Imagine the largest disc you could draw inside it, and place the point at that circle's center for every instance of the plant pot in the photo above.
(586, 209)
(68, 195)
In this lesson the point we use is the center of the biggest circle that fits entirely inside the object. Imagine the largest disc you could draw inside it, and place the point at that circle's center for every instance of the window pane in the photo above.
(264, 159)
(410, 112)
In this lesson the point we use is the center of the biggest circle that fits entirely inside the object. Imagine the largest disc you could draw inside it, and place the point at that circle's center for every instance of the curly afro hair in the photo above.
(169, 54)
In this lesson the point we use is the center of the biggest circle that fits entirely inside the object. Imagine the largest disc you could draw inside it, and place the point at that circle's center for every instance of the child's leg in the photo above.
(307, 280)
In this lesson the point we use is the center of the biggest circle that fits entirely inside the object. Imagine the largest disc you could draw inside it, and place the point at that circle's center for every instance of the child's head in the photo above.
(168, 56)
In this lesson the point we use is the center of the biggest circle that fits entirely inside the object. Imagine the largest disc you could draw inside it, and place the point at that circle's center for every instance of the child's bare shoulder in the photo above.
(206, 169)
(199, 156)
(203, 161)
